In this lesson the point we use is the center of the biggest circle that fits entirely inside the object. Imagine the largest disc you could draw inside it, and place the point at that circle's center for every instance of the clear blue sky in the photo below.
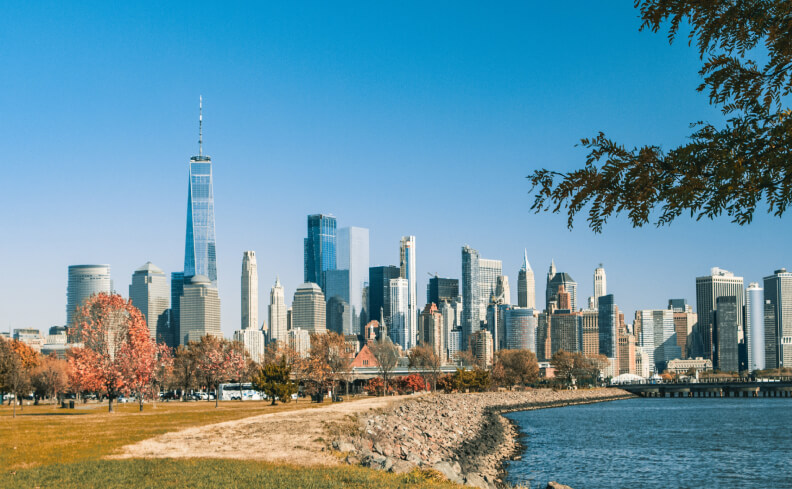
(403, 117)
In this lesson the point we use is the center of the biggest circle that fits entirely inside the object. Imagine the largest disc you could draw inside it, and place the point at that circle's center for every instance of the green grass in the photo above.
(198, 474)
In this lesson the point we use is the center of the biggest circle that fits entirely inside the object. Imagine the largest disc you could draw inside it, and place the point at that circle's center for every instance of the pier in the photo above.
(713, 388)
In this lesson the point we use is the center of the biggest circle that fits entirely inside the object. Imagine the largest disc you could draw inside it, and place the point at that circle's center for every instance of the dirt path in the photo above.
(289, 436)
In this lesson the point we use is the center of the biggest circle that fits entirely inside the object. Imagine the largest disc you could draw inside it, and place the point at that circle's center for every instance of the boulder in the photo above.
(556, 485)
(448, 471)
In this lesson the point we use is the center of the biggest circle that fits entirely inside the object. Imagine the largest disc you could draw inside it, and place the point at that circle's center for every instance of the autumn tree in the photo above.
(116, 352)
(162, 374)
(387, 356)
(424, 359)
(329, 361)
(185, 369)
(50, 377)
(217, 360)
(274, 380)
(16, 362)
(513, 367)
(564, 364)
(746, 52)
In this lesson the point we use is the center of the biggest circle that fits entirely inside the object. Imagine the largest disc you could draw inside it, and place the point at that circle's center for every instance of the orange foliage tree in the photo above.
(16, 361)
(116, 353)
(218, 360)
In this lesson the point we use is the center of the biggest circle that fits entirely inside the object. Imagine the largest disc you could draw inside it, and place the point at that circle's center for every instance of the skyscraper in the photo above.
(309, 309)
(771, 345)
(339, 316)
(489, 271)
(85, 281)
(277, 313)
(431, 331)
(719, 283)
(320, 248)
(200, 254)
(556, 279)
(353, 255)
(600, 285)
(526, 286)
(608, 324)
(254, 342)
(520, 329)
(754, 326)
(778, 290)
(199, 310)
(658, 337)
(440, 290)
(379, 291)
(407, 271)
(589, 331)
(250, 302)
(471, 294)
(149, 293)
(725, 334)
(397, 326)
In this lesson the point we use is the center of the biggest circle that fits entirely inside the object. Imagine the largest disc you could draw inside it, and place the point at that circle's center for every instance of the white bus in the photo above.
(235, 392)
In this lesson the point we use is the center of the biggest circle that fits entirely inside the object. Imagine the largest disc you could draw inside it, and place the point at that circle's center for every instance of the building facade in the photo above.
(408, 272)
(589, 331)
(719, 283)
(725, 335)
(379, 292)
(250, 298)
(309, 309)
(557, 279)
(319, 248)
(521, 329)
(200, 252)
(254, 342)
(471, 294)
(526, 285)
(754, 326)
(600, 285)
(489, 271)
(608, 324)
(440, 290)
(778, 290)
(353, 255)
(199, 310)
(149, 292)
(277, 313)
(430, 331)
(397, 326)
(85, 281)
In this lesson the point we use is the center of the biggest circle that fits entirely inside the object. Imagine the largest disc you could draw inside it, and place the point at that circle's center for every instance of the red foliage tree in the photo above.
(116, 353)
(218, 360)
(415, 383)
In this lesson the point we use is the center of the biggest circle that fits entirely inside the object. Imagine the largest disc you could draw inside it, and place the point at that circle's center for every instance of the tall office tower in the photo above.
(200, 254)
(778, 290)
(309, 309)
(278, 325)
(482, 347)
(771, 340)
(254, 341)
(600, 285)
(489, 271)
(337, 290)
(299, 341)
(408, 272)
(454, 343)
(502, 294)
(320, 248)
(353, 255)
(199, 310)
(496, 324)
(719, 283)
(754, 326)
(658, 338)
(471, 294)
(250, 302)
(589, 331)
(85, 281)
(339, 316)
(679, 305)
(521, 329)
(365, 317)
(176, 292)
(608, 324)
(626, 353)
(399, 310)
(441, 289)
(149, 293)
(447, 313)
(430, 331)
(725, 335)
(543, 346)
(556, 279)
(379, 292)
(684, 327)
(526, 286)
(564, 331)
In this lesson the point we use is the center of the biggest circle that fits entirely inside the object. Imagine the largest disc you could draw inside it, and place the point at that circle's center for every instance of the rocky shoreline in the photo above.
(462, 436)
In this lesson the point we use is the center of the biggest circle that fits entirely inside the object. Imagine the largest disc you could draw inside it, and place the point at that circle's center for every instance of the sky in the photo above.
(407, 118)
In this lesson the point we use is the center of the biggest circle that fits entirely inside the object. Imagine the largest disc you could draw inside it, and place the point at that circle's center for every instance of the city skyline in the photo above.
(472, 129)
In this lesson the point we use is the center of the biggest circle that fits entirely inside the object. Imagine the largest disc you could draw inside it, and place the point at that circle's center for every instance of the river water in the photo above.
(658, 443)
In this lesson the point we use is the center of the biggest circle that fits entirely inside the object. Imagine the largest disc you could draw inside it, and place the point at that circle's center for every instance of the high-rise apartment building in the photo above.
(658, 337)
(397, 326)
(626, 353)
(754, 326)
(309, 311)
(526, 285)
(496, 324)
(199, 310)
(608, 325)
(319, 248)
(778, 290)
(600, 285)
(564, 331)
(408, 272)
(489, 271)
(85, 281)
(589, 331)
(482, 347)
(771, 340)
(277, 313)
(440, 289)
(521, 329)
(176, 291)
(379, 292)
(149, 293)
(300, 341)
(502, 294)
(430, 331)
(254, 341)
(725, 335)
(543, 337)
(250, 302)
(719, 283)
(556, 279)
(353, 255)
(471, 294)
(200, 253)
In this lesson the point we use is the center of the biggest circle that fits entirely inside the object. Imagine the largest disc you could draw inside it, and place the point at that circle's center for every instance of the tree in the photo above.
(50, 377)
(116, 350)
(564, 364)
(476, 380)
(163, 371)
(329, 361)
(274, 380)
(387, 356)
(515, 367)
(729, 169)
(424, 358)
(16, 362)
(217, 360)
(185, 369)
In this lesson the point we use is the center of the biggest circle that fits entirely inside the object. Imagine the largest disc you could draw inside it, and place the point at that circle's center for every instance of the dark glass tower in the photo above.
(320, 248)
(441, 289)
(379, 291)
(200, 255)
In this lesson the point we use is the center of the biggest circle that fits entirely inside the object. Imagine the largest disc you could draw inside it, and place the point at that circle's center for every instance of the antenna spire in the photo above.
(200, 125)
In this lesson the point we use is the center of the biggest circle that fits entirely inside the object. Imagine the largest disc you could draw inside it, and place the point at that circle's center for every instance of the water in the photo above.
(658, 443)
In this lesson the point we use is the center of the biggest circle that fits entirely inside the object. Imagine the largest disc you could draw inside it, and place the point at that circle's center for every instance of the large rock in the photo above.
(449, 471)
(556, 485)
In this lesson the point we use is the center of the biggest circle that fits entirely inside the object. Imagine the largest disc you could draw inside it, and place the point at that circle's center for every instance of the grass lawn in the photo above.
(46, 446)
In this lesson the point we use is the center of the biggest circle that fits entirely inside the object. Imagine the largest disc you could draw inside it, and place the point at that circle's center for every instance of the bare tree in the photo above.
(387, 356)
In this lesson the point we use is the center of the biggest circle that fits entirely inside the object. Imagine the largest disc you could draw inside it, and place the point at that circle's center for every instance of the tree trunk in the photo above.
(15, 406)
(110, 404)
(217, 395)
(140, 400)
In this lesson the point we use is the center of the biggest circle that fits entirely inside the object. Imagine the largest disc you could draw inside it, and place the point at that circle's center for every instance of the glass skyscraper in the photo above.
(85, 281)
(320, 248)
(200, 255)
